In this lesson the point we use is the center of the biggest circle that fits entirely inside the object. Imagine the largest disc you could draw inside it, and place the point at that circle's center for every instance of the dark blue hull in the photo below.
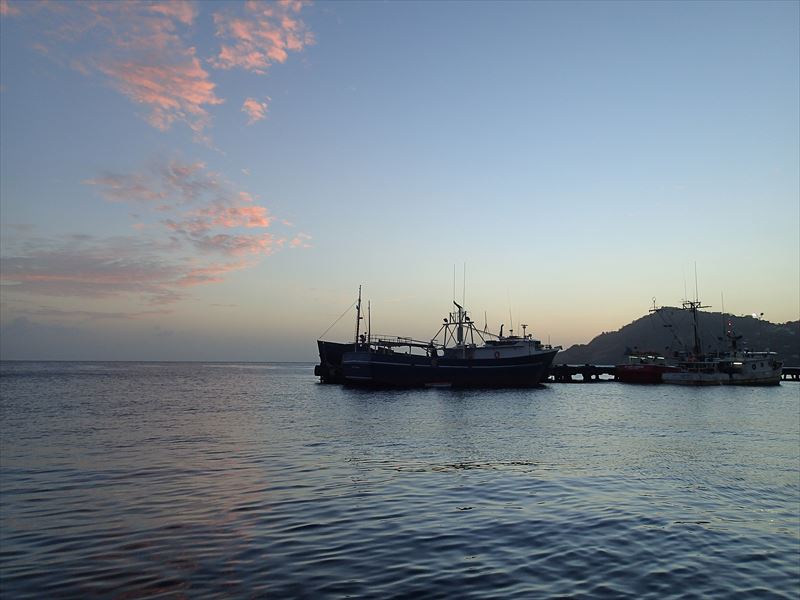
(407, 370)
(329, 369)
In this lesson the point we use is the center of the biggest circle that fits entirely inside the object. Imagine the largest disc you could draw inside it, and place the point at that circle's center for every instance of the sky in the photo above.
(214, 180)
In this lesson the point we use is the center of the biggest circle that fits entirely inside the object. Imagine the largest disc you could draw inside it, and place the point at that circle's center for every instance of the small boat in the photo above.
(459, 355)
(732, 366)
(643, 367)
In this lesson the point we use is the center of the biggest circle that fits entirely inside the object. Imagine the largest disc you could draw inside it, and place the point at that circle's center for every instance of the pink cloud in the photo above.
(255, 110)
(238, 245)
(199, 234)
(109, 268)
(237, 216)
(180, 10)
(173, 92)
(141, 48)
(127, 188)
(300, 241)
(93, 269)
(164, 186)
(210, 274)
(8, 10)
(265, 35)
(205, 209)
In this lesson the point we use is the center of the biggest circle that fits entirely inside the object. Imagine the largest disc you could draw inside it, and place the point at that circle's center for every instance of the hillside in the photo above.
(670, 329)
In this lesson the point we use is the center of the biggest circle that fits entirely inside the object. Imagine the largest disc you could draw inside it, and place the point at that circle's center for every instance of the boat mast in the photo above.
(358, 315)
(693, 306)
(460, 328)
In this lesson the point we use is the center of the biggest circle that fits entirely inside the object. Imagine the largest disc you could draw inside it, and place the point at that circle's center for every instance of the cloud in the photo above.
(255, 110)
(193, 226)
(145, 50)
(93, 269)
(8, 10)
(210, 273)
(90, 315)
(147, 270)
(236, 216)
(197, 233)
(174, 92)
(165, 186)
(300, 241)
(149, 62)
(238, 245)
(140, 46)
(181, 10)
(201, 207)
(262, 36)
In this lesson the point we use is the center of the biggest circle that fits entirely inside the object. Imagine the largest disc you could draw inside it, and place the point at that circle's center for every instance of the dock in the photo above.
(600, 373)
(588, 373)
(791, 373)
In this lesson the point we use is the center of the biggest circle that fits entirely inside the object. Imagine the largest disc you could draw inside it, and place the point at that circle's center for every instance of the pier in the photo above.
(791, 373)
(593, 373)
(588, 373)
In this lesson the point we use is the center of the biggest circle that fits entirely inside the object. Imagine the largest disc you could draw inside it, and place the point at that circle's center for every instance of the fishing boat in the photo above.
(732, 366)
(459, 355)
(643, 367)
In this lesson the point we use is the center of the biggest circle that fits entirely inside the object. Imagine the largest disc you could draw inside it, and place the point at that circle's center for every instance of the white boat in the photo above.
(729, 367)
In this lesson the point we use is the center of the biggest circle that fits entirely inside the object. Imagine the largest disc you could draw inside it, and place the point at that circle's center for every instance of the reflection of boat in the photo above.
(729, 367)
(459, 355)
(643, 367)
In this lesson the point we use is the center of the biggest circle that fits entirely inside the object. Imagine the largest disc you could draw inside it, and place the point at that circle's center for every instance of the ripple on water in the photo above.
(126, 480)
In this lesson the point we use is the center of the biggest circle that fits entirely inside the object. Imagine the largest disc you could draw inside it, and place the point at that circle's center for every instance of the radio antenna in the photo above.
(464, 287)
(454, 282)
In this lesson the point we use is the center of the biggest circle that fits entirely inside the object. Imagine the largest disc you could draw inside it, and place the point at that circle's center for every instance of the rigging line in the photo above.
(670, 324)
(337, 320)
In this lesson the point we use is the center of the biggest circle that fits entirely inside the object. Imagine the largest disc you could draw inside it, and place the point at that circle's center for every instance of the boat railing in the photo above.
(394, 340)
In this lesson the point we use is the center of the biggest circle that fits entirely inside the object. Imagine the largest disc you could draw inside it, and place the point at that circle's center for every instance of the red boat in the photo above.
(643, 367)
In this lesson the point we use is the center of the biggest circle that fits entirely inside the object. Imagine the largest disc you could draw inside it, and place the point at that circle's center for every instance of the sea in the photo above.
(253, 480)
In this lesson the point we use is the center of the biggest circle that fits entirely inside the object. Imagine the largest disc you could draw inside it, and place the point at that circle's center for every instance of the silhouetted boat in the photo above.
(463, 357)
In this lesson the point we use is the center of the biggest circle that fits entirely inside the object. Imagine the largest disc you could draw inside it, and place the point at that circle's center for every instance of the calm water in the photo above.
(132, 480)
